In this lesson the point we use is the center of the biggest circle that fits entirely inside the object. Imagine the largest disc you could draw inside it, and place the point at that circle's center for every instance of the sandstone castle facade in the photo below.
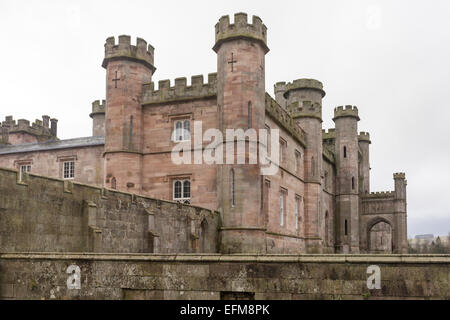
(318, 202)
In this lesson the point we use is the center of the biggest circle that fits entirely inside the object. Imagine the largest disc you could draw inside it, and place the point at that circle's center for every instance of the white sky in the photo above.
(389, 58)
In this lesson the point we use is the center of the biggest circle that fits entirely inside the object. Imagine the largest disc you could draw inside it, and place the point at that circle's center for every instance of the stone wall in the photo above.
(128, 276)
(52, 215)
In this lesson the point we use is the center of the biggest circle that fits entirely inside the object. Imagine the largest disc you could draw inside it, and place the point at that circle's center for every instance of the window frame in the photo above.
(184, 130)
(182, 199)
(283, 208)
(71, 170)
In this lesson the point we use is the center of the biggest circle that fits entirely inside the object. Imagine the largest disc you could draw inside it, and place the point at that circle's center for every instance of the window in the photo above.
(233, 199)
(268, 140)
(249, 114)
(69, 169)
(182, 130)
(313, 167)
(113, 183)
(346, 227)
(24, 168)
(345, 152)
(353, 183)
(182, 191)
(282, 151)
(297, 211)
(282, 206)
(298, 157)
(325, 178)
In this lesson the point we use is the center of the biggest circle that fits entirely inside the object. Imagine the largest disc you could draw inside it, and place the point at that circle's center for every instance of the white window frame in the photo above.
(26, 167)
(70, 170)
(185, 134)
(182, 199)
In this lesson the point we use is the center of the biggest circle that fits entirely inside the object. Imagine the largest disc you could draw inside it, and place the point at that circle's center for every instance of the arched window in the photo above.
(182, 191)
(187, 130)
(233, 199)
(345, 152)
(113, 183)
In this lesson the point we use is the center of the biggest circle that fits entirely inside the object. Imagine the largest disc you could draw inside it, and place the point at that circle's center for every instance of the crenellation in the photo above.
(301, 84)
(256, 31)
(347, 111)
(141, 52)
(180, 91)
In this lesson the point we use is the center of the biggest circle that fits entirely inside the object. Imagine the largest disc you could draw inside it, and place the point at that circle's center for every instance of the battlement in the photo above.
(39, 128)
(180, 91)
(347, 111)
(300, 84)
(283, 119)
(380, 195)
(306, 109)
(141, 52)
(328, 134)
(364, 136)
(241, 29)
(279, 87)
(98, 107)
(399, 175)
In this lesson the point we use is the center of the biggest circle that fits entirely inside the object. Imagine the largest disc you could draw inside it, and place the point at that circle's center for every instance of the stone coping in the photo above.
(240, 258)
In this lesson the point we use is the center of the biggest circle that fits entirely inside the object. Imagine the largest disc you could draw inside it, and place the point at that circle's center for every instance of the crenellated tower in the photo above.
(304, 103)
(128, 67)
(400, 236)
(98, 118)
(347, 190)
(241, 48)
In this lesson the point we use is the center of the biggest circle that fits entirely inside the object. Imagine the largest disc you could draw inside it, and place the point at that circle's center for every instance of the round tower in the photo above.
(364, 166)
(98, 118)
(279, 89)
(347, 179)
(128, 67)
(241, 48)
(304, 103)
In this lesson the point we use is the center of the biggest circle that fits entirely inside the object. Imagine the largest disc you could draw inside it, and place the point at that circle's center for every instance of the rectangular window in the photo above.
(69, 169)
(325, 178)
(282, 207)
(298, 157)
(268, 140)
(24, 168)
(283, 145)
(182, 130)
(297, 211)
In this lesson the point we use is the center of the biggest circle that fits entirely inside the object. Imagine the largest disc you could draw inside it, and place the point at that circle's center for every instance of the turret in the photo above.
(279, 90)
(128, 67)
(98, 118)
(400, 206)
(241, 49)
(347, 199)
(364, 166)
(304, 103)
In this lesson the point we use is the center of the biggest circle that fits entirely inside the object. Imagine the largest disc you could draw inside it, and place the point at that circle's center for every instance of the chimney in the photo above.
(45, 120)
(54, 127)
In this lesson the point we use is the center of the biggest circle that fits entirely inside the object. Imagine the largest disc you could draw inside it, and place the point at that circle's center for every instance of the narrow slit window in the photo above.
(345, 152)
(249, 114)
(353, 183)
(233, 199)
(346, 227)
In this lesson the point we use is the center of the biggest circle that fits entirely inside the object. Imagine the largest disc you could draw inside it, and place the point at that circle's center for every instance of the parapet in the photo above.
(347, 111)
(279, 87)
(241, 30)
(98, 107)
(330, 134)
(180, 92)
(364, 137)
(380, 195)
(306, 109)
(399, 175)
(39, 128)
(141, 52)
(300, 84)
(284, 120)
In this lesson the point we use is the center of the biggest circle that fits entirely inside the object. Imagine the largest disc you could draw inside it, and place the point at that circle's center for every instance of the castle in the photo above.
(318, 202)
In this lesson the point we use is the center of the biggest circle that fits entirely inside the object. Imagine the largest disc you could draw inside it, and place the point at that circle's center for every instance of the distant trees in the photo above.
(435, 246)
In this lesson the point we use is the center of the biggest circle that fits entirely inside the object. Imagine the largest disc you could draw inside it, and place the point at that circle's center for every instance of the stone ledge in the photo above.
(270, 258)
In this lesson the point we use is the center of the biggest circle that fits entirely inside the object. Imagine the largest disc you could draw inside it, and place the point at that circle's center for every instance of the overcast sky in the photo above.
(389, 58)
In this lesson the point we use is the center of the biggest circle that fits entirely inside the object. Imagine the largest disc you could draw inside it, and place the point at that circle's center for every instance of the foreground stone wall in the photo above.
(51, 215)
(131, 276)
